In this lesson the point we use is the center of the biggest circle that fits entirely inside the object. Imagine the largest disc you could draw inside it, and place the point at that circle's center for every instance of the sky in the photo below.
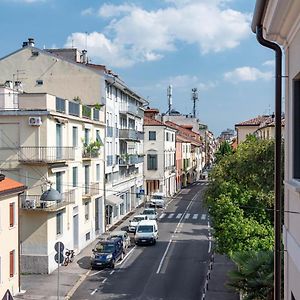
(203, 44)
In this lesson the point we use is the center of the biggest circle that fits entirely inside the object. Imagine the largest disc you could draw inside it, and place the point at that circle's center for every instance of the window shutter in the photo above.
(11, 214)
(155, 161)
(11, 263)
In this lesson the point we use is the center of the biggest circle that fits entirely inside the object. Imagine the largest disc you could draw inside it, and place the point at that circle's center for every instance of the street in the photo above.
(175, 268)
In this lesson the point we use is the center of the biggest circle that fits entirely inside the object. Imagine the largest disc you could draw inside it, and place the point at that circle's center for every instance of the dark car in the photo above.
(107, 253)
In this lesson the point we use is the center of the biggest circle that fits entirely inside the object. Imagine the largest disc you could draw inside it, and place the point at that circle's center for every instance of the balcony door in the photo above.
(87, 179)
(59, 141)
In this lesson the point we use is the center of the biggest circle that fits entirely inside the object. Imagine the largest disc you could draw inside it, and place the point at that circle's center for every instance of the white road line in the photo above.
(104, 280)
(171, 240)
(198, 183)
(203, 217)
(112, 272)
(162, 216)
(95, 273)
(187, 216)
(195, 216)
(94, 291)
(125, 257)
(170, 216)
(178, 216)
(209, 245)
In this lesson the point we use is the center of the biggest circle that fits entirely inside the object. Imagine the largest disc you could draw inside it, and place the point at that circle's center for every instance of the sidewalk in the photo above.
(215, 286)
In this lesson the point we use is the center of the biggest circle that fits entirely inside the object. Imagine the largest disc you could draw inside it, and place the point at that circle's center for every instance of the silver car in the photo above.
(150, 213)
(123, 235)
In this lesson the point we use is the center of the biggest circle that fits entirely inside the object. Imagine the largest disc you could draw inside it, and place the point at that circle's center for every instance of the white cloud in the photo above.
(247, 74)
(87, 12)
(138, 35)
(269, 63)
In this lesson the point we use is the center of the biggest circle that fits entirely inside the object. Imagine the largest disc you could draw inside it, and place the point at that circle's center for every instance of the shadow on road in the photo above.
(84, 262)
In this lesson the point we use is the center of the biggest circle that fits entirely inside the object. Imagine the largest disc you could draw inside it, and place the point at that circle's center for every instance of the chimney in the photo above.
(9, 84)
(31, 42)
(25, 44)
(18, 86)
(84, 58)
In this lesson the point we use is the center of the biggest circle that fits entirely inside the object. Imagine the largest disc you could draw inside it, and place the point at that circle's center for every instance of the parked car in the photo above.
(150, 213)
(134, 222)
(157, 200)
(123, 235)
(107, 253)
(146, 232)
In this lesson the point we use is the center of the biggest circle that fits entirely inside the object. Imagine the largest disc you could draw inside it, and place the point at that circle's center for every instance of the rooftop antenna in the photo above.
(169, 94)
(194, 99)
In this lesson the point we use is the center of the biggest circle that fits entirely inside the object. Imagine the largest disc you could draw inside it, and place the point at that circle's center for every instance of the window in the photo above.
(75, 136)
(88, 236)
(75, 176)
(152, 161)
(59, 223)
(152, 135)
(98, 138)
(58, 176)
(296, 129)
(86, 136)
(87, 210)
(39, 82)
(167, 136)
(12, 263)
(97, 172)
(11, 214)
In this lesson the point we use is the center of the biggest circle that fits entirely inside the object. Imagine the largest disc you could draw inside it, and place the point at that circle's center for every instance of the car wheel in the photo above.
(154, 242)
(112, 264)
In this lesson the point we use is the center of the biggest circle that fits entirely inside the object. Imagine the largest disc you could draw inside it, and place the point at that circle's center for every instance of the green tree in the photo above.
(224, 149)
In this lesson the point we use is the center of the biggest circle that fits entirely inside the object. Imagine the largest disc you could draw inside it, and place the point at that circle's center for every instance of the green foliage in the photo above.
(92, 149)
(224, 149)
(240, 197)
(254, 274)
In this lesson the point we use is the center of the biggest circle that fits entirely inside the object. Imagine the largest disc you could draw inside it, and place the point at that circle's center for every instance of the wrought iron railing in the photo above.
(91, 189)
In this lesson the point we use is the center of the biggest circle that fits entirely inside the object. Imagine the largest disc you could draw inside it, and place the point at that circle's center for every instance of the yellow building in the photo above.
(9, 235)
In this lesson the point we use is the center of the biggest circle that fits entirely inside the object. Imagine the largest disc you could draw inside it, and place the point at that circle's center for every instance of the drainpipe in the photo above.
(278, 181)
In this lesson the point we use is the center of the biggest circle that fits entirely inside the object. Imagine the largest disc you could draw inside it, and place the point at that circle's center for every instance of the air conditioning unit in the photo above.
(35, 121)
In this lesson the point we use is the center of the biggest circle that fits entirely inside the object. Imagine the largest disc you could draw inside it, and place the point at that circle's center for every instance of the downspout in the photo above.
(278, 181)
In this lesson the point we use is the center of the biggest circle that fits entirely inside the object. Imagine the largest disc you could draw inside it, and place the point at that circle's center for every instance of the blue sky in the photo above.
(203, 44)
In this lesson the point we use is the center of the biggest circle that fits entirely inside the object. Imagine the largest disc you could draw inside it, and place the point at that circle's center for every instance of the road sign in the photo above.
(59, 247)
(59, 258)
(7, 296)
(142, 191)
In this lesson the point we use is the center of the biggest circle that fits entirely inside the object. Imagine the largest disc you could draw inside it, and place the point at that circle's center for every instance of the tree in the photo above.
(224, 149)
(254, 274)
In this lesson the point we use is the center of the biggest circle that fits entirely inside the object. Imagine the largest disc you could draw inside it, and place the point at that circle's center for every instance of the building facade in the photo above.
(9, 235)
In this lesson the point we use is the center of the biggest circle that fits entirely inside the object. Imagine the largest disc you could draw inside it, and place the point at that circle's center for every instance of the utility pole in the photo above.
(194, 99)
(169, 94)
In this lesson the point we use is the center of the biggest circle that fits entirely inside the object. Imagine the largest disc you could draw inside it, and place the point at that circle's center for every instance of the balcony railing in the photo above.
(86, 112)
(33, 202)
(130, 134)
(46, 154)
(129, 108)
(128, 160)
(109, 131)
(60, 105)
(92, 189)
(74, 109)
(90, 153)
(96, 114)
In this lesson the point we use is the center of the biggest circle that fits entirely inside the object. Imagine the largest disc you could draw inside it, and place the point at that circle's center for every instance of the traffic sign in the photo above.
(142, 192)
(59, 258)
(7, 296)
(59, 247)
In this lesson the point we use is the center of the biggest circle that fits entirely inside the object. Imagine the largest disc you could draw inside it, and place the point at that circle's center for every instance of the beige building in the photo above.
(53, 142)
(266, 131)
(9, 235)
(281, 24)
(159, 147)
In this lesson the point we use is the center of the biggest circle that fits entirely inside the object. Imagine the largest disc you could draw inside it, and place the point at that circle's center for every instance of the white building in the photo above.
(67, 74)
(50, 141)
(159, 147)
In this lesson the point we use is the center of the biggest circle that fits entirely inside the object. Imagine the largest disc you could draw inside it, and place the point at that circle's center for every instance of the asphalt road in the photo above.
(173, 269)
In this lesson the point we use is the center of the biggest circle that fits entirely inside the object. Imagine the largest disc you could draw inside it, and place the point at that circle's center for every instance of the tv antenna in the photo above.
(194, 99)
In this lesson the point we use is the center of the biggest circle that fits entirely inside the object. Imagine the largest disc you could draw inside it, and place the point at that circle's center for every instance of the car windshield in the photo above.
(107, 247)
(115, 235)
(137, 219)
(157, 197)
(145, 228)
(148, 212)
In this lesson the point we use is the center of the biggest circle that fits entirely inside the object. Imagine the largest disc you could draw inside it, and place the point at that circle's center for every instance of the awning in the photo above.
(113, 200)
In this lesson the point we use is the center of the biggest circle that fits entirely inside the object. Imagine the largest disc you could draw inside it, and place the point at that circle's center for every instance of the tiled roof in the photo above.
(152, 122)
(9, 185)
(255, 121)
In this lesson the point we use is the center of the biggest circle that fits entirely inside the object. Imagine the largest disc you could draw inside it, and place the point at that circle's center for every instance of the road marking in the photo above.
(104, 280)
(77, 284)
(94, 291)
(95, 273)
(170, 216)
(162, 216)
(178, 216)
(203, 217)
(126, 256)
(171, 240)
(198, 183)
(187, 216)
(209, 246)
(112, 272)
(195, 216)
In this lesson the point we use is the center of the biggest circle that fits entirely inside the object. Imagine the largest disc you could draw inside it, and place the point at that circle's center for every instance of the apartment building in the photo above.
(9, 235)
(68, 74)
(279, 22)
(159, 148)
(55, 147)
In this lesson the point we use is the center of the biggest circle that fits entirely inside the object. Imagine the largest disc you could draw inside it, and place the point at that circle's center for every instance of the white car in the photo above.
(135, 221)
(123, 235)
(150, 213)
(146, 232)
(157, 200)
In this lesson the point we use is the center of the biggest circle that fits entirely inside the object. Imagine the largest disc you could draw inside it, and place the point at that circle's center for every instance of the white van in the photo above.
(146, 232)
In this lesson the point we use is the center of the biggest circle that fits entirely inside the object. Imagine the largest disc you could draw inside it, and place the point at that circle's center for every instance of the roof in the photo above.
(152, 122)
(10, 186)
(256, 121)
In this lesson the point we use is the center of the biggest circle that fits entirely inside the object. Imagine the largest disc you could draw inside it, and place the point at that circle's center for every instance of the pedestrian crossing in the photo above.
(185, 216)
(202, 183)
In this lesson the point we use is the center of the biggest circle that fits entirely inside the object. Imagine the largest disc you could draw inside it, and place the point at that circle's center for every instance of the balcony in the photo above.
(33, 202)
(129, 108)
(130, 134)
(44, 155)
(89, 190)
(128, 159)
